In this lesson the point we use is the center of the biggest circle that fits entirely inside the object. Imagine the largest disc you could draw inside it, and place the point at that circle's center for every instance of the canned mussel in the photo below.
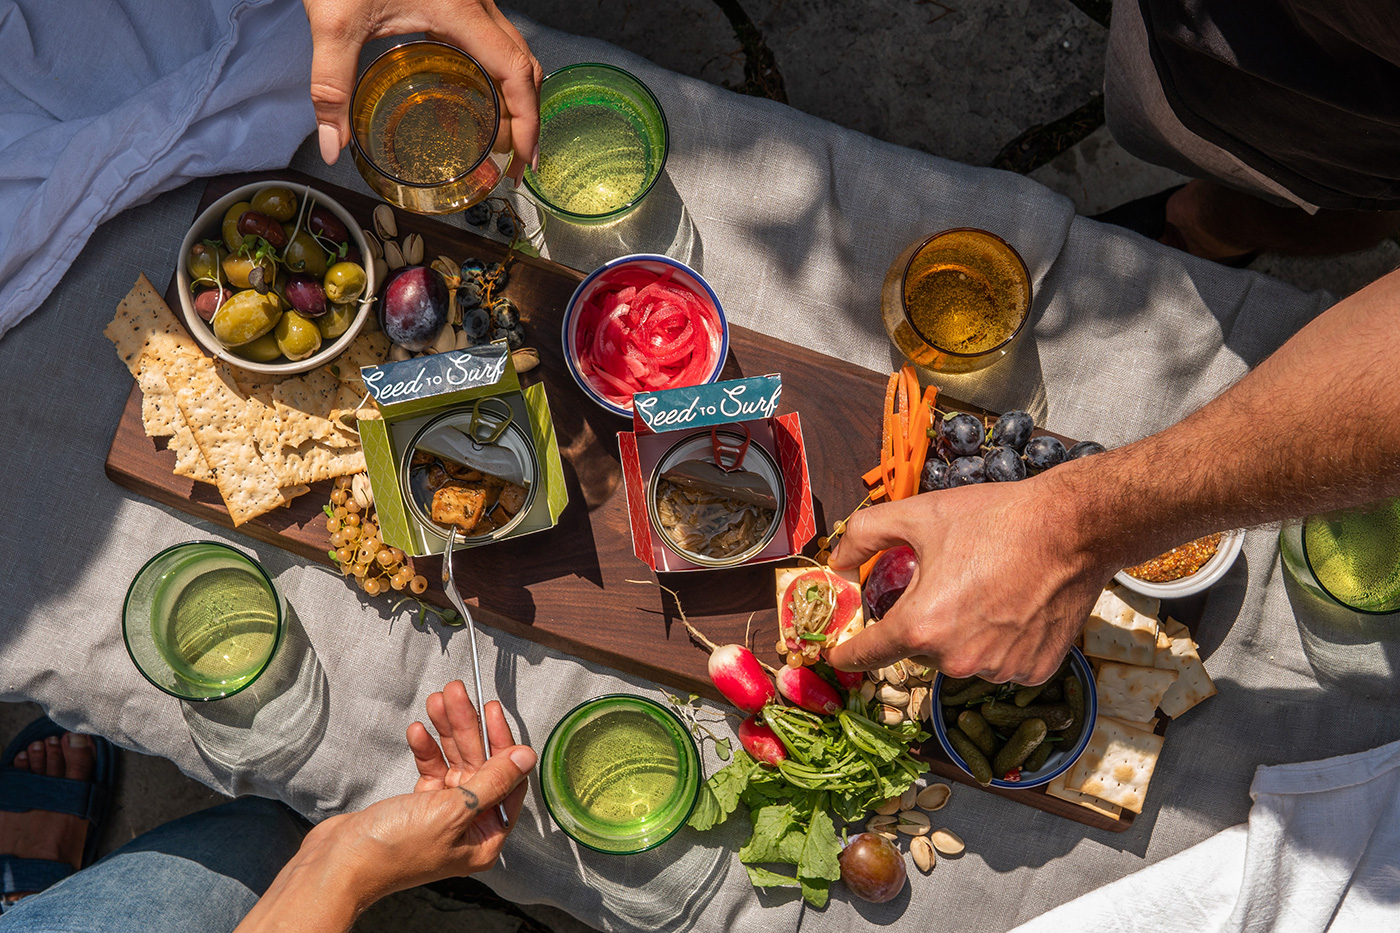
(716, 498)
(474, 468)
(1005, 731)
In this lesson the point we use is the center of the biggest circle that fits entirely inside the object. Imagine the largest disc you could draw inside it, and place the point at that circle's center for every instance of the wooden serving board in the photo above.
(569, 588)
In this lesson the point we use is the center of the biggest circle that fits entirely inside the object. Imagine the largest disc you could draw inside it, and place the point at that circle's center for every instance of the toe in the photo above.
(78, 757)
(37, 757)
(53, 757)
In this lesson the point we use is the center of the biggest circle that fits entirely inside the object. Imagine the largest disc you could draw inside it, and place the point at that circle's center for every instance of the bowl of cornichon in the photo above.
(1014, 736)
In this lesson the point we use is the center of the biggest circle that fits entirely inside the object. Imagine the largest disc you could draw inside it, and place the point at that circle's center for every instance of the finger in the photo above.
(513, 70)
(335, 54)
(497, 729)
(427, 757)
(877, 645)
(495, 781)
(437, 715)
(868, 532)
(466, 731)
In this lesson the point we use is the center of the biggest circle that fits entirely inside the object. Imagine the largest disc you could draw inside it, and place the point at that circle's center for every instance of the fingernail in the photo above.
(330, 143)
(524, 757)
(36, 747)
(77, 741)
(535, 159)
(21, 758)
(53, 740)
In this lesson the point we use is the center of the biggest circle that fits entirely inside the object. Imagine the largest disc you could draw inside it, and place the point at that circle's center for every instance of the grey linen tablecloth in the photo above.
(793, 221)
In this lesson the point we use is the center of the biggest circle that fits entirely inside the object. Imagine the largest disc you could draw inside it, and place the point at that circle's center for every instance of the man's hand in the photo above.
(339, 28)
(1002, 586)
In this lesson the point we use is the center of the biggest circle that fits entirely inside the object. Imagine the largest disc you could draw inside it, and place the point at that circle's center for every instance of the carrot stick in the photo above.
(873, 474)
(903, 399)
(918, 446)
(887, 432)
(877, 493)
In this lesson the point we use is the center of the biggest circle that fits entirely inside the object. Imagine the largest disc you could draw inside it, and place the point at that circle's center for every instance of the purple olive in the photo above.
(326, 225)
(413, 308)
(207, 301)
(306, 295)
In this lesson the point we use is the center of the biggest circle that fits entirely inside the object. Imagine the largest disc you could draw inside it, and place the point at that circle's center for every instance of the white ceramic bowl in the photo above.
(1211, 572)
(601, 277)
(207, 226)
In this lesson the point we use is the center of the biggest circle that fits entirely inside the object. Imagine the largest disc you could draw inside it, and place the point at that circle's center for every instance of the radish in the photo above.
(761, 742)
(849, 680)
(803, 687)
(738, 675)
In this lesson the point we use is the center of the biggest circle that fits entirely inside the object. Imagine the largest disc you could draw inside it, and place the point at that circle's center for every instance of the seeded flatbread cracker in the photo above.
(1192, 684)
(144, 322)
(189, 461)
(368, 349)
(1131, 692)
(1117, 765)
(160, 416)
(1057, 788)
(313, 462)
(1117, 631)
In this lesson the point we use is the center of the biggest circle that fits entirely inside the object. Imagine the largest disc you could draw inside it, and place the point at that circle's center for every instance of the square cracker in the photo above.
(144, 322)
(160, 416)
(1175, 629)
(1192, 684)
(368, 349)
(1130, 692)
(1057, 788)
(313, 462)
(188, 459)
(1119, 632)
(1117, 765)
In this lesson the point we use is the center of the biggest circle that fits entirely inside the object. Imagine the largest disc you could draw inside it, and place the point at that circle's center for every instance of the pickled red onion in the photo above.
(641, 332)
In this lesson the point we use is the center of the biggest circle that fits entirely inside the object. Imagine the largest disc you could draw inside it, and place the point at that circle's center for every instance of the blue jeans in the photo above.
(202, 872)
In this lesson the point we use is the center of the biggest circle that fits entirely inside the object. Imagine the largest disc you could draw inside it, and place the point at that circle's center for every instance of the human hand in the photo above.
(339, 28)
(1002, 587)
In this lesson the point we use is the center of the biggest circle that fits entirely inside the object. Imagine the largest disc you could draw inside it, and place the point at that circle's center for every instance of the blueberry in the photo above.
(478, 214)
(966, 471)
(1012, 430)
(504, 314)
(506, 225)
(476, 322)
(962, 434)
(1084, 449)
(934, 475)
(1044, 452)
(1004, 465)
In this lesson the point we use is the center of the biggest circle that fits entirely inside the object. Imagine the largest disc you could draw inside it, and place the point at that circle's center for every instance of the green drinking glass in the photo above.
(603, 143)
(1355, 556)
(202, 620)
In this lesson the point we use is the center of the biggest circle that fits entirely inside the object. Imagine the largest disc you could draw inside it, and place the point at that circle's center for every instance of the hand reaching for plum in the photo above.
(339, 28)
(1001, 584)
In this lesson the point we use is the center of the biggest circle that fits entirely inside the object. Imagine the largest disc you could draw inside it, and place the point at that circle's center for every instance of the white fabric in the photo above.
(1320, 854)
(105, 105)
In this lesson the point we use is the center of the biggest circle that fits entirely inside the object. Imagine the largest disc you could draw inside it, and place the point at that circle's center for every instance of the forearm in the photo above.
(319, 891)
(1314, 427)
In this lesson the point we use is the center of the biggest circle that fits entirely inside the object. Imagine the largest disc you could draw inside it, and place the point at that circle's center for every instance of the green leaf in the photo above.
(778, 836)
(724, 788)
(707, 813)
(763, 878)
(820, 847)
(330, 512)
(722, 749)
(815, 892)
(331, 555)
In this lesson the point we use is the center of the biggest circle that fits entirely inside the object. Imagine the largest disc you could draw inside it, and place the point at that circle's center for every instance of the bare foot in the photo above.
(43, 834)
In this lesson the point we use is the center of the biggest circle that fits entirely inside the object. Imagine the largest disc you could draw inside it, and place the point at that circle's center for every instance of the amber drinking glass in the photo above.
(957, 301)
(424, 120)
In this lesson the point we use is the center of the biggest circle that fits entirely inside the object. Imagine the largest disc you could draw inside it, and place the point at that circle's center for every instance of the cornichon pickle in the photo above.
(1074, 701)
(1054, 692)
(1025, 696)
(1036, 760)
(1023, 741)
(951, 685)
(977, 764)
(1055, 715)
(973, 691)
(971, 722)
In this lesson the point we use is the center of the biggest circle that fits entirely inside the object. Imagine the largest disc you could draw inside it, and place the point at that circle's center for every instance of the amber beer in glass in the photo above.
(956, 301)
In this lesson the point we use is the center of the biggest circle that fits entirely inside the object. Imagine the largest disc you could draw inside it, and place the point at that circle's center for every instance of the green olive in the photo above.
(345, 281)
(232, 238)
(203, 262)
(276, 202)
(337, 320)
(262, 350)
(304, 254)
(297, 337)
(237, 268)
(245, 317)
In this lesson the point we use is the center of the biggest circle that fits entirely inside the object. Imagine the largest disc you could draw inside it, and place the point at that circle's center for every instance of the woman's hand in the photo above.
(339, 28)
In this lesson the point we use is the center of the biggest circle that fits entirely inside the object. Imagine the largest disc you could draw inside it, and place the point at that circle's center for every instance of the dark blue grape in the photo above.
(966, 471)
(504, 314)
(506, 225)
(476, 322)
(962, 434)
(1044, 452)
(497, 275)
(478, 215)
(1012, 430)
(1004, 465)
(1084, 449)
(515, 337)
(469, 292)
(473, 267)
(934, 475)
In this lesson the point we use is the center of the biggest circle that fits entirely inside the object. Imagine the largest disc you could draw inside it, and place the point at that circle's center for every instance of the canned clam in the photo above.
(715, 498)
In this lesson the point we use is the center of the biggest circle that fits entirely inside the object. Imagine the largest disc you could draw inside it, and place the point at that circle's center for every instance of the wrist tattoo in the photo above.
(469, 798)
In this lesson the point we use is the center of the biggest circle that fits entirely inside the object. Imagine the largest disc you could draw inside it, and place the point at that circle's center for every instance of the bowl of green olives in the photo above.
(273, 278)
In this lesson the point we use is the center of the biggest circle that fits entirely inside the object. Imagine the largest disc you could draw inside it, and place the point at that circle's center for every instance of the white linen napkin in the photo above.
(105, 105)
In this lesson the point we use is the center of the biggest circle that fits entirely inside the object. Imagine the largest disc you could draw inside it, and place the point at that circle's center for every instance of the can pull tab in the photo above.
(728, 457)
(492, 433)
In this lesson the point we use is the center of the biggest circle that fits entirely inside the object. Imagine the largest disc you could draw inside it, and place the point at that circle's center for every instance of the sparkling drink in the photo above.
(593, 159)
(622, 768)
(429, 129)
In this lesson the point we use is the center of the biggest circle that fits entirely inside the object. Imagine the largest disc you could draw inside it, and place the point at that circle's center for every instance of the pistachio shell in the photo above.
(888, 834)
(947, 841)
(446, 340)
(393, 256)
(525, 359)
(922, 850)
(413, 249)
(375, 250)
(381, 271)
(384, 223)
(881, 823)
(891, 695)
(399, 354)
(934, 797)
(906, 799)
(913, 823)
(919, 703)
(891, 715)
(867, 690)
(360, 488)
(888, 807)
(894, 674)
(461, 340)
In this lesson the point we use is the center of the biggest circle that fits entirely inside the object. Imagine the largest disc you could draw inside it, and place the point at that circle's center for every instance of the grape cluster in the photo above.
(487, 314)
(358, 550)
(965, 452)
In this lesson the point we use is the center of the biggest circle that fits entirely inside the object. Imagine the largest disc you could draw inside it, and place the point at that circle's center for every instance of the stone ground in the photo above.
(1010, 83)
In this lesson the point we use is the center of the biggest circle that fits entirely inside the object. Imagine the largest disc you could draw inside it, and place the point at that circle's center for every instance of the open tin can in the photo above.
(715, 498)
(483, 439)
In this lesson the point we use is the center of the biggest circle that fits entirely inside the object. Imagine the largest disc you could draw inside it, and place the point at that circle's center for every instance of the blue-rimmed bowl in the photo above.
(604, 277)
(1061, 759)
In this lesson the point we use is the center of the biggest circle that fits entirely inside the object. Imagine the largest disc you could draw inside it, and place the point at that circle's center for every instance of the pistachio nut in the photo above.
(912, 823)
(372, 242)
(921, 848)
(894, 674)
(934, 797)
(919, 706)
(867, 690)
(360, 489)
(384, 223)
(947, 841)
(398, 354)
(446, 340)
(891, 695)
(888, 807)
(381, 271)
(881, 823)
(891, 715)
(413, 249)
(525, 359)
(906, 799)
(461, 340)
(393, 256)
